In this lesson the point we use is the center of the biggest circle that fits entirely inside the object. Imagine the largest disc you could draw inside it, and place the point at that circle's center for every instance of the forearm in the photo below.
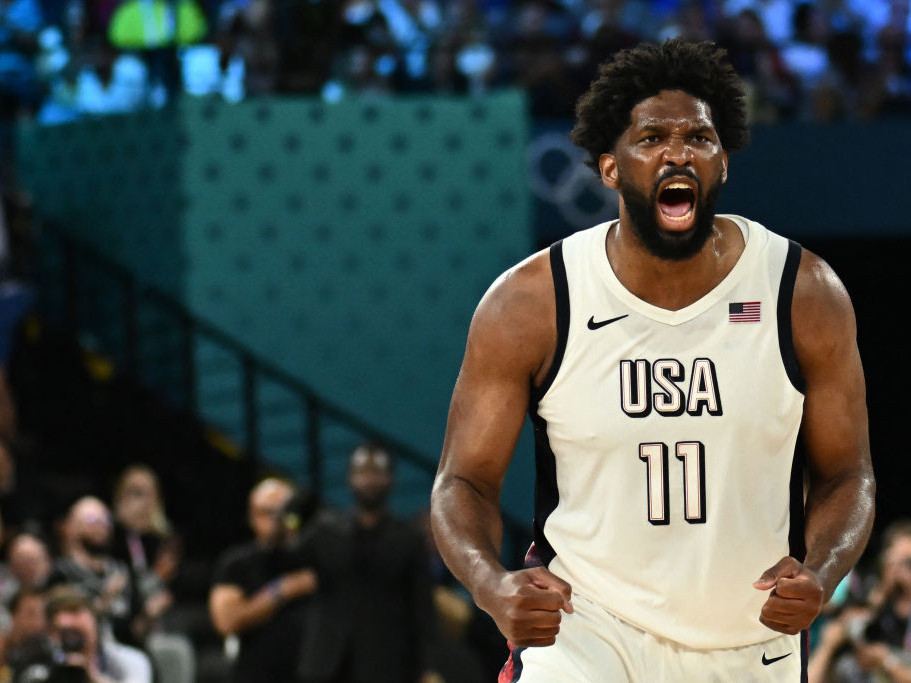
(242, 615)
(468, 529)
(896, 669)
(839, 516)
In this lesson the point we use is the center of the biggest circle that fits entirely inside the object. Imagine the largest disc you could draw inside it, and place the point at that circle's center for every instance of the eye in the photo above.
(650, 139)
(700, 139)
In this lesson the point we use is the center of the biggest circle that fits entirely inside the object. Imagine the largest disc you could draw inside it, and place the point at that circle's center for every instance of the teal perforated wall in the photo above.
(348, 243)
(351, 242)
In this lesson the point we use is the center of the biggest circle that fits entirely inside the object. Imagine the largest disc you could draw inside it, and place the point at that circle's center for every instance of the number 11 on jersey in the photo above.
(692, 456)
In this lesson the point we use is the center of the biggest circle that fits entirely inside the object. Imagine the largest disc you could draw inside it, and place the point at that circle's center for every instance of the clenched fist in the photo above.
(796, 597)
(526, 606)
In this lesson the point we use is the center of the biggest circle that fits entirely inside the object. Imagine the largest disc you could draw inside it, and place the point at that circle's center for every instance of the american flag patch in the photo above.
(744, 312)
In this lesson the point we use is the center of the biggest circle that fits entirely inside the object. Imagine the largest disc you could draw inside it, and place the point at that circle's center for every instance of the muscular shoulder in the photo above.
(823, 319)
(516, 317)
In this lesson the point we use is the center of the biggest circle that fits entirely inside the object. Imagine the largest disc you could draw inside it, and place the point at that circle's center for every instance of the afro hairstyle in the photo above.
(633, 75)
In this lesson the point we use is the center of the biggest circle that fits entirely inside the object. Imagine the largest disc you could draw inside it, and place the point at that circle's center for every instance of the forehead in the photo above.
(671, 108)
(270, 494)
(139, 478)
(91, 511)
(900, 548)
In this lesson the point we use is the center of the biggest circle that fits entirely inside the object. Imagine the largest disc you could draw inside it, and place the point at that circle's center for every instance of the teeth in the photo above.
(678, 186)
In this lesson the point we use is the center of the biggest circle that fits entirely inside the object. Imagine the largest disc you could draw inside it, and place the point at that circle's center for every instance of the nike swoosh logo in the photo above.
(592, 325)
(766, 661)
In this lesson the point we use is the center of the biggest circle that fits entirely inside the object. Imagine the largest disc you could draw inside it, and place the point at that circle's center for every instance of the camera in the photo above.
(71, 640)
(42, 662)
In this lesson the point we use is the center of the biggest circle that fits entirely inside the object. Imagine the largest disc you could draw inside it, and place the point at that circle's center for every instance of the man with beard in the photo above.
(374, 616)
(667, 360)
(259, 592)
(88, 564)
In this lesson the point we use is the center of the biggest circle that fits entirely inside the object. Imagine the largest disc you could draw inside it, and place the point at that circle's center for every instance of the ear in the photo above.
(724, 167)
(608, 165)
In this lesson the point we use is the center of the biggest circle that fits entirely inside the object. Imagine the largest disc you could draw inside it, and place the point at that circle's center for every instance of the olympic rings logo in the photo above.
(557, 175)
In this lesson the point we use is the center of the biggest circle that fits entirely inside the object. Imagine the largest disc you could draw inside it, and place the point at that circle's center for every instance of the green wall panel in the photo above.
(349, 243)
(115, 182)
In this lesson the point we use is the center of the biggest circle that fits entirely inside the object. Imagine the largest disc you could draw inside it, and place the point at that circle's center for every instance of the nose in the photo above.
(678, 152)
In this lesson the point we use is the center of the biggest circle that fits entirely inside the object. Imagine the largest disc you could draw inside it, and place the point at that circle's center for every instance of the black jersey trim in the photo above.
(797, 547)
(561, 290)
(804, 656)
(785, 335)
(546, 494)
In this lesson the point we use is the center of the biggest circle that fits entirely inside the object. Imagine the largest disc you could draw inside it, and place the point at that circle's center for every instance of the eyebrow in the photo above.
(658, 126)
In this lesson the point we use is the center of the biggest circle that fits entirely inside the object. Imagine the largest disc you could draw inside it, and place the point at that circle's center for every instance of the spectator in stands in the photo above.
(771, 89)
(777, 16)
(538, 61)
(374, 603)
(806, 56)
(846, 91)
(26, 637)
(28, 567)
(893, 70)
(868, 642)
(75, 632)
(87, 564)
(143, 540)
(258, 592)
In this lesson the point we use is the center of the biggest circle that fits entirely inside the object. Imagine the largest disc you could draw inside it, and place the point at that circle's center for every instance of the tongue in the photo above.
(674, 210)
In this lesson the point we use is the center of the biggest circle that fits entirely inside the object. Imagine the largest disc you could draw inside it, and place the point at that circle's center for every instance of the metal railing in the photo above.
(110, 316)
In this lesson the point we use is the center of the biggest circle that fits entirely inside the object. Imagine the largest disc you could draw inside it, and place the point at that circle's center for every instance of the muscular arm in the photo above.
(233, 612)
(839, 507)
(510, 345)
(839, 504)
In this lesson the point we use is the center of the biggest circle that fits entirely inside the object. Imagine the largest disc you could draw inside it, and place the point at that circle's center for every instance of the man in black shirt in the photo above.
(373, 617)
(259, 593)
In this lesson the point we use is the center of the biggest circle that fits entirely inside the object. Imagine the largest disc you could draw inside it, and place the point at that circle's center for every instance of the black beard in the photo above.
(96, 549)
(665, 245)
(371, 501)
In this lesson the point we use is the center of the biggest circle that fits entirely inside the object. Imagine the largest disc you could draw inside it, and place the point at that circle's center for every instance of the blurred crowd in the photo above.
(864, 633)
(316, 595)
(61, 59)
(95, 591)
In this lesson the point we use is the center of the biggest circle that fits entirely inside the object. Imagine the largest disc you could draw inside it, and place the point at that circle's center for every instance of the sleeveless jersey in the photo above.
(665, 443)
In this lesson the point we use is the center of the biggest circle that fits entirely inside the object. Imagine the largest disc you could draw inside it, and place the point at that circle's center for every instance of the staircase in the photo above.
(250, 409)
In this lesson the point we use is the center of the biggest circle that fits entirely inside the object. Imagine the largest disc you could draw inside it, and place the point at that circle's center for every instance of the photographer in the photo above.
(873, 642)
(77, 652)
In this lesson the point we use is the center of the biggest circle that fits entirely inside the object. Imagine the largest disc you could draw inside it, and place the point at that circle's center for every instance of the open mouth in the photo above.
(676, 204)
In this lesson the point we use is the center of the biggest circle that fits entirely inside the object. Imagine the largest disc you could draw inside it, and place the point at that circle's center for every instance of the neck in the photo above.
(369, 518)
(666, 283)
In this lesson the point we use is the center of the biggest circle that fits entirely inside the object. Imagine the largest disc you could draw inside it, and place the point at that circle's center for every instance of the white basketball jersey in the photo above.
(665, 441)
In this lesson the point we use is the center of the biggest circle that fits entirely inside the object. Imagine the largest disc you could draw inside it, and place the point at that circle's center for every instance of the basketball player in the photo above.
(668, 360)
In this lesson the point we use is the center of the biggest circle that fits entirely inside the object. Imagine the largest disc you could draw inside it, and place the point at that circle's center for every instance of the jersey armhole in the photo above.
(785, 333)
(561, 291)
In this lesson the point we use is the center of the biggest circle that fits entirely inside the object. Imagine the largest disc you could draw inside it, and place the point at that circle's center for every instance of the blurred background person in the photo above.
(25, 638)
(144, 541)
(74, 633)
(28, 566)
(258, 592)
(87, 564)
(871, 641)
(374, 603)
